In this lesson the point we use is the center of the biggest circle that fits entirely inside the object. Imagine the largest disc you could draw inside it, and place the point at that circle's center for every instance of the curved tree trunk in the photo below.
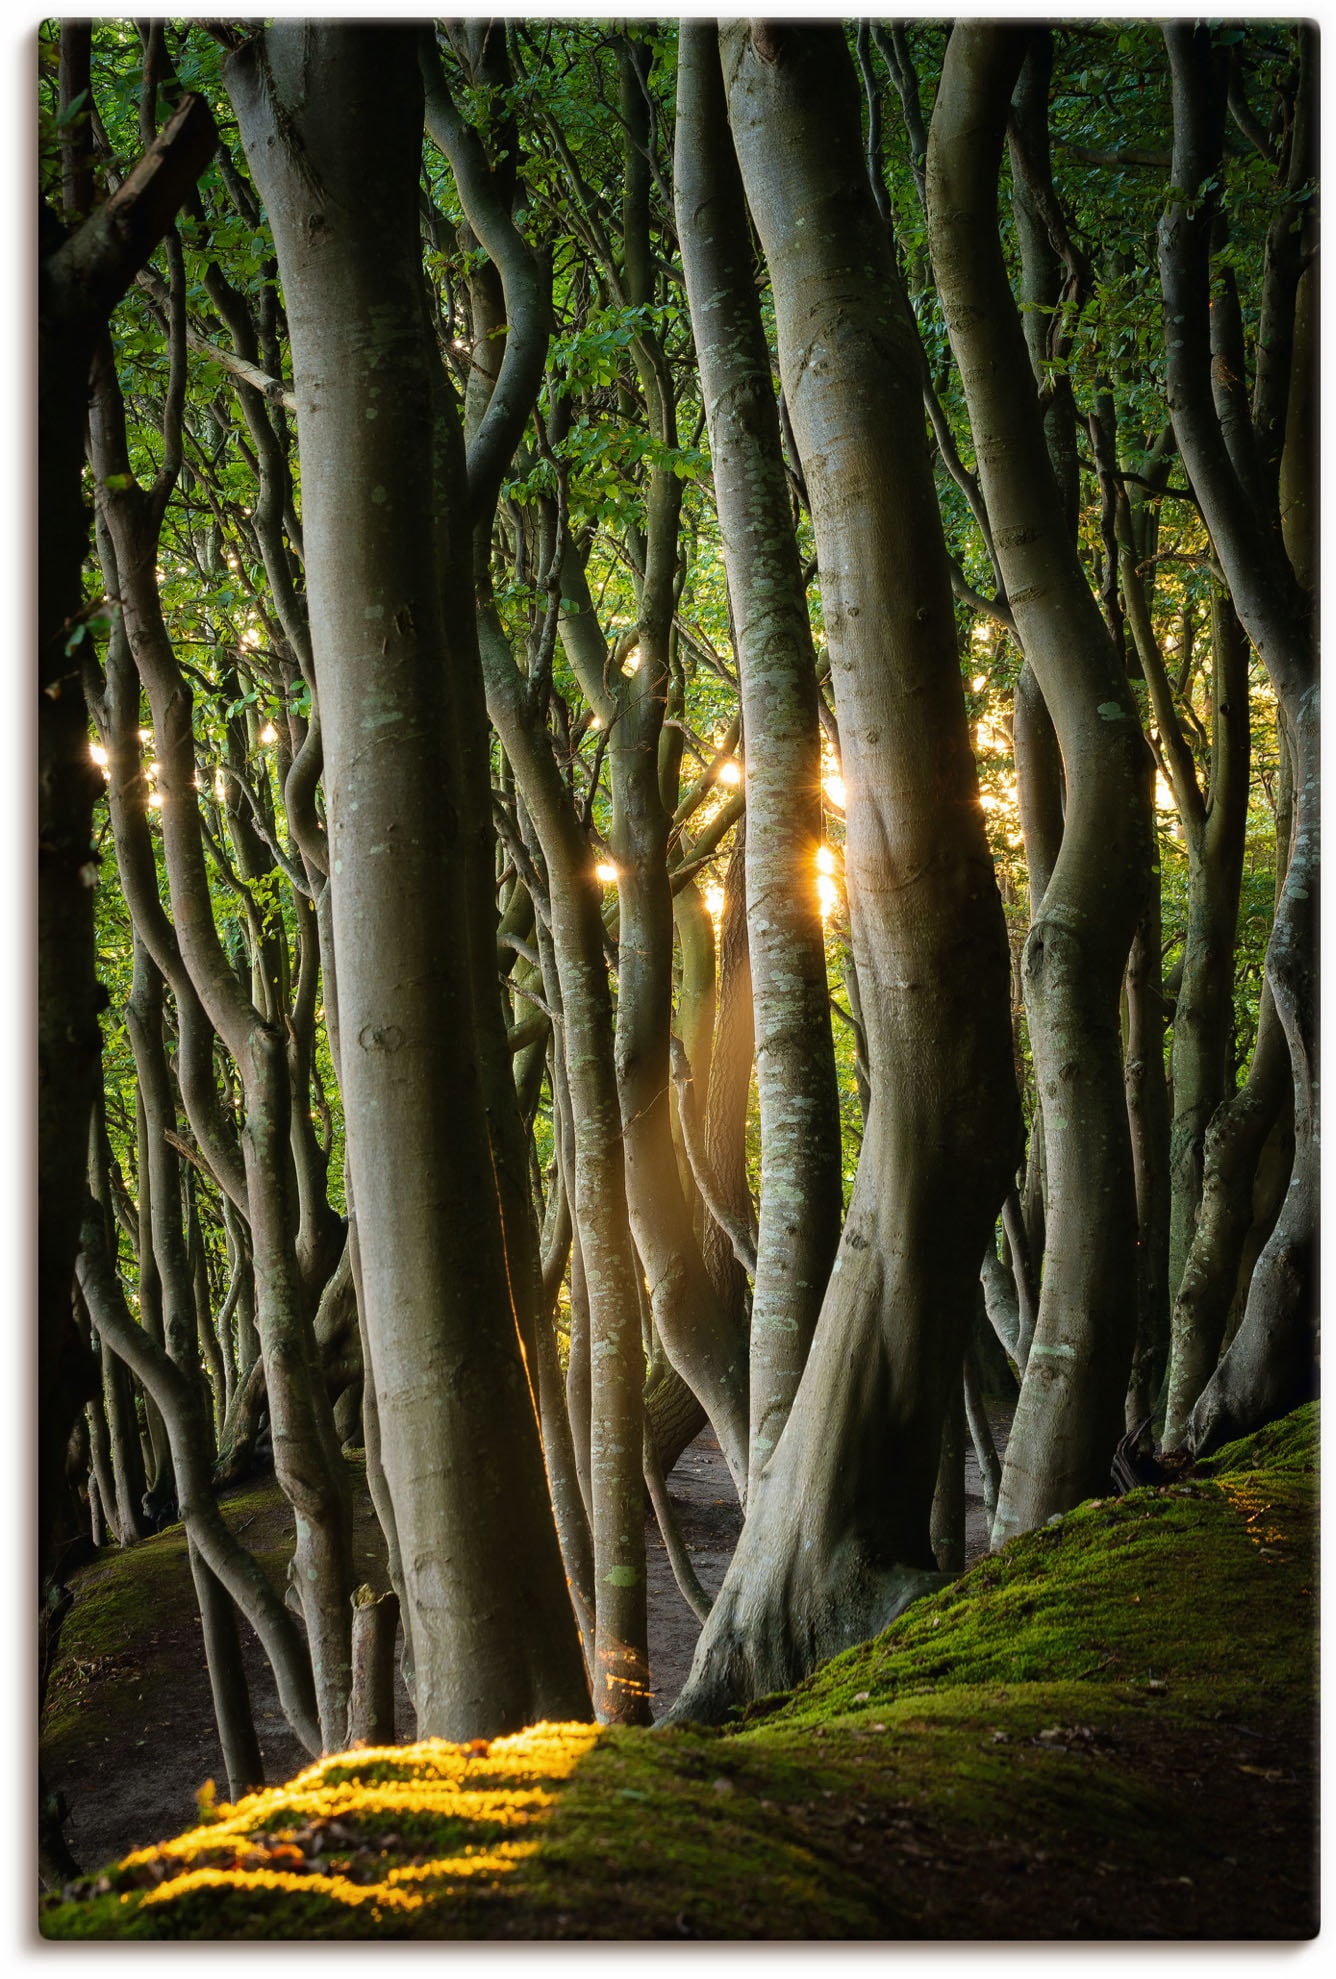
(493, 1639)
(724, 1129)
(1070, 1414)
(837, 1532)
(1270, 1362)
(242, 1576)
(607, 1369)
(800, 1189)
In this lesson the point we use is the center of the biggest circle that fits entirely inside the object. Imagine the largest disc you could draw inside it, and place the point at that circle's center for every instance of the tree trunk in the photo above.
(1070, 1414)
(800, 1189)
(371, 1698)
(227, 1680)
(836, 1539)
(724, 1127)
(244, 1579)
(493, 1639)
(1271, 1360)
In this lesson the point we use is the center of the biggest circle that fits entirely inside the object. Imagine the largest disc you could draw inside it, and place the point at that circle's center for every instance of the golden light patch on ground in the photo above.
(279, 1839)
(1254, 1509)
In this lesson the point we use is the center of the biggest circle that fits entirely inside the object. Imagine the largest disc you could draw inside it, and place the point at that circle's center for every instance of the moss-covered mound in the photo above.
(1107, 1730)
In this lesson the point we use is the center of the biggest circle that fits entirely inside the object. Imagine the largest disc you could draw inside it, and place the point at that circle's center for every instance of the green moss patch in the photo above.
(1106, 1731)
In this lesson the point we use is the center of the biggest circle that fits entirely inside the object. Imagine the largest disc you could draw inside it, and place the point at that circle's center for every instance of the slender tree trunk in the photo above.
(1271, 1360)
(800, 1189)
(1070, 1413)
(1148, 1120)
(127, 1458)
(836, 1539)
(724, 1128)
(493, 1639)
(227, 1680)
(242, 1576)
(605, 1311)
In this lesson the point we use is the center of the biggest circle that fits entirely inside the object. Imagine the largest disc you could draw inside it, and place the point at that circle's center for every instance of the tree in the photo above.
(836, 1540)
(492, 1634)
(760, 667)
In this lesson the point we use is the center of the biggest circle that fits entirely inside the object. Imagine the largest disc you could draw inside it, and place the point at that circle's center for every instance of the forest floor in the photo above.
(128, 1735)
(1106, 1731)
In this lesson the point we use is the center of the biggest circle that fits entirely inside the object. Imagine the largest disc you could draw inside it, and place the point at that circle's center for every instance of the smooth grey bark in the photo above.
(371, 1695)
(493, 1640)
(981, 1435)
(227, 1680)
(1148, 1124)
(1041, 803)
(1270, 1363)
(306, 1454)
(607, 1363)
(800, 1181)
(696, 982)
(127, 1457)
(1069, 1416)
(836, 1539)
(1214, 824)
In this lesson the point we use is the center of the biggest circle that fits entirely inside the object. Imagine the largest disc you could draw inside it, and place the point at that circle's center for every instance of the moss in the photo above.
(109, 1658)
(1056, 1744)
(105, 1650)
(1292, 1444)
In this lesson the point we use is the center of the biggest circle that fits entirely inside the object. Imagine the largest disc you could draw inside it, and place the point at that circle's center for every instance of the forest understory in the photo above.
(128, 1735)
(1106, 1732)
(679, 785)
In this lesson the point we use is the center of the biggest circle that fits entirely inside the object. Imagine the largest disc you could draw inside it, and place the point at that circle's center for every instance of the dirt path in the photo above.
(144, 1743)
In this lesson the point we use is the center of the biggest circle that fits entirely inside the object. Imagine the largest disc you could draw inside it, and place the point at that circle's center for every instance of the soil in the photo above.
(133, 1775)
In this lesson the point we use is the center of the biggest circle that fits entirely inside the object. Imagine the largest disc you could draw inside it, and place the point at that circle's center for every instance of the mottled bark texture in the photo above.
(837, 1537)
(331, 118)
(1229, 450)
(795, 1058)
(1070, 1414)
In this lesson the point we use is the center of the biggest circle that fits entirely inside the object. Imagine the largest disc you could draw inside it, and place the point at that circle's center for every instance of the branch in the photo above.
(272, 389)
(93, 268)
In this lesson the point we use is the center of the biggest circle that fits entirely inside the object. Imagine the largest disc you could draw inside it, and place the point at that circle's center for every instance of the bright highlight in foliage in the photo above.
(606, 872)
(730, 772)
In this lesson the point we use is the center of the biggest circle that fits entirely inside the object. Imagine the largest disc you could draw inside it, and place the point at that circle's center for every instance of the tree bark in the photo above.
(1271, 1360)
(836, 1539)
(493, 1639)
(800, 1184)
(1070, 1414)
